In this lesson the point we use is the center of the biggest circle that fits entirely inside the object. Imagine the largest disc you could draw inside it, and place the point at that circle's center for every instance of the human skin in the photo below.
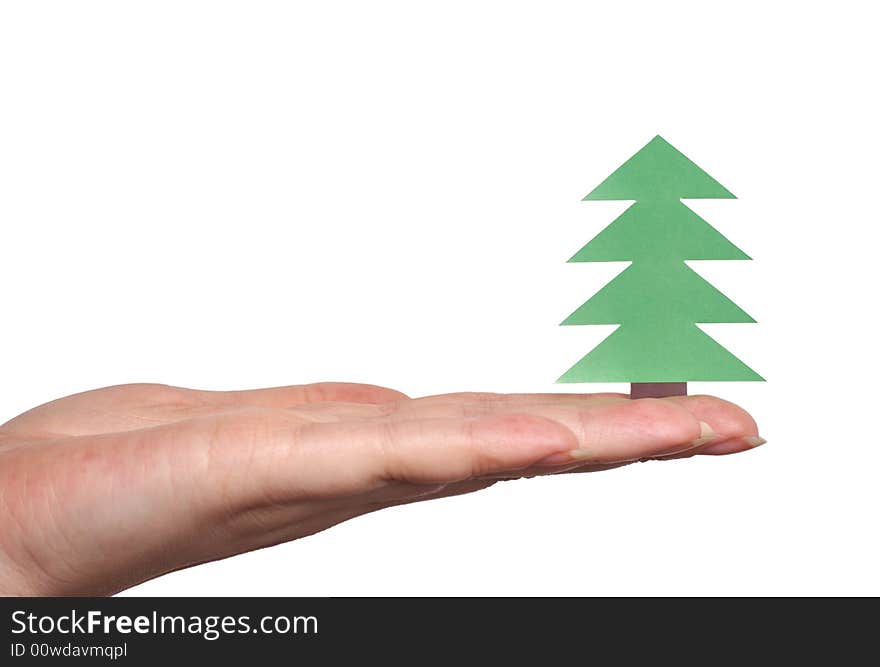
(109, 488)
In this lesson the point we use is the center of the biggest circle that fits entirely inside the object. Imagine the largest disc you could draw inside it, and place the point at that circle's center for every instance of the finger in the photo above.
(452, 406)
(494, 397)
(489, 401)
(627, 430)
(479, 404)
(735, 428)
(351, 457)
(461, 406)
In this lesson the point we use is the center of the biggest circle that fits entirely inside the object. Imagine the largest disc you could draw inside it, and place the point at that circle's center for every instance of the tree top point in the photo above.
(659, 171)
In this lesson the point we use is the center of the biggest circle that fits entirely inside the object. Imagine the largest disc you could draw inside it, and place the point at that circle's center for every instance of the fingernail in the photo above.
(734, 445)
(571, 456)
(707, 434)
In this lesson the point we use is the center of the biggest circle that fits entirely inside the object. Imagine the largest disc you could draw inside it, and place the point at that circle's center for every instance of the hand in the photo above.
(108, 488)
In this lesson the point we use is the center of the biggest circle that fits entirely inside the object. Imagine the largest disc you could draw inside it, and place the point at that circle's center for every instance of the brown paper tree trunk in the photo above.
(657, 389)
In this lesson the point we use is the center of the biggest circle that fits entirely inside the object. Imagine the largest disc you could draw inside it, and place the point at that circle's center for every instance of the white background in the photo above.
(244, 194)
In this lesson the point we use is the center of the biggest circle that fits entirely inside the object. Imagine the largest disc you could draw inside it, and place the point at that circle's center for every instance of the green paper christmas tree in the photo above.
(658, 300)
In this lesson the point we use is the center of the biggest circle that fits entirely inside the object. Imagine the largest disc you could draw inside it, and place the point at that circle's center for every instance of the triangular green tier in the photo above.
(646, 354)
(658, 294)
(659, 171)
(658, 229)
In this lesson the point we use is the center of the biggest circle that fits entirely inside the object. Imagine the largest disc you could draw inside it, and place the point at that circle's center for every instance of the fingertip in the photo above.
(728, 420)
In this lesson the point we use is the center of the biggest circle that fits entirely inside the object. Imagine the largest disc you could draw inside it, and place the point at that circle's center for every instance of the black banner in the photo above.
(328, 630)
